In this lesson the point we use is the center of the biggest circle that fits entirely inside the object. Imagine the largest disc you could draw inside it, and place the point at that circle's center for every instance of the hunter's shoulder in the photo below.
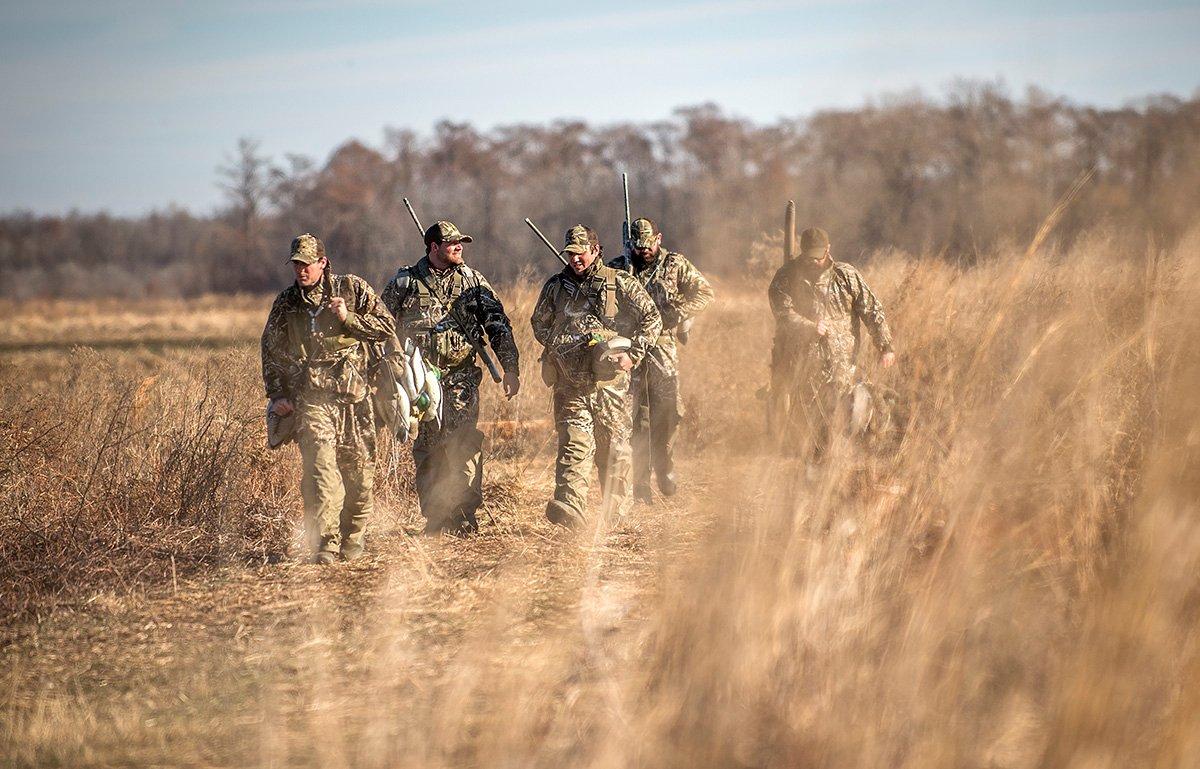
(401, 279)
(625, 281)
(679, 263)
(846, 271)
(351, 282)
(784, 272)
(416, 268)
(472, 276)
(554, 282)
(286, 298)
(622, 263)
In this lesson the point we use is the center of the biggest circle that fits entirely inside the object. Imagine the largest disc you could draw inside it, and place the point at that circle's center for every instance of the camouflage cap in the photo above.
(578, 241)
(814, 239)
(307, 249)
(642, 232)
(445, 232)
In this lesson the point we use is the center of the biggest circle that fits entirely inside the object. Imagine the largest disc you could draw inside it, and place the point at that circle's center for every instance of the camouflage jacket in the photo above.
(418, 297)
(602, 301)
(679, 290)
(841, 298)
(305, 347)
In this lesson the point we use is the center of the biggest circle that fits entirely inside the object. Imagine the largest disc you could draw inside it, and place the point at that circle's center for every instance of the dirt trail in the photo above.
(242, 659)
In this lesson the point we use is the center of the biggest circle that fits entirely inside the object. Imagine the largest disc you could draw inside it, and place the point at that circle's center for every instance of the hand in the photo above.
(338, 305)
(281, 407)
(512, 384)
(623, 361)
(822, 328)
(888, 359)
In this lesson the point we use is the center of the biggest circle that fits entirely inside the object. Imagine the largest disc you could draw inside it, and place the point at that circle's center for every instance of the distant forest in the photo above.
(960, 176)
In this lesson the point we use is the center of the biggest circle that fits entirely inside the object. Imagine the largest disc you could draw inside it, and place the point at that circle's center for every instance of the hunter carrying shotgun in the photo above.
(596, 324)
(819, 306)
(680, 292)
(446, 307)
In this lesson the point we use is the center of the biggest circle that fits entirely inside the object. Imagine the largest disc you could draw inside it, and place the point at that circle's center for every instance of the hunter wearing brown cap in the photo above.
(586, 311)
(680, 292)
(819, 306)
(441, 303)
(314, 364)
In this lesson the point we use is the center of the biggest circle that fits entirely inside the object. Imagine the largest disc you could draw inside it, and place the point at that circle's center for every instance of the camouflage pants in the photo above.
(657, 410)
(594, 427)
(337, 449)
(449, 459)
(808, 400)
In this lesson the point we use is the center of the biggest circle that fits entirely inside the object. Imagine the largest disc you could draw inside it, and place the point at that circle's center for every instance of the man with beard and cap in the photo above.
(314, 363)
(440, 303)
(819, 305)
(680, 292)
(596, 324)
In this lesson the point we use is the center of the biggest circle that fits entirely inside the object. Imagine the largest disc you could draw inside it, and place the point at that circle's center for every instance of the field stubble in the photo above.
(1014, 585)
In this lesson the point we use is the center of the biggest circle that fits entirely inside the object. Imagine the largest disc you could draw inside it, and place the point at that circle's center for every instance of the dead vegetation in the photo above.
(1014, 586)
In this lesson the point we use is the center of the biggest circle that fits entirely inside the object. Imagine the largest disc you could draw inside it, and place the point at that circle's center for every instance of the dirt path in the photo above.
(307, 665)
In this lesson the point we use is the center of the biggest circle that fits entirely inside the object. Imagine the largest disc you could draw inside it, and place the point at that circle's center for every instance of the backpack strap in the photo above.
(424, 295)
(605, 282)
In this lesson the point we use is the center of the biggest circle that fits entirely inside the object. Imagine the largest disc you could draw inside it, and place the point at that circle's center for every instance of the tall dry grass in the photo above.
(1015, 584)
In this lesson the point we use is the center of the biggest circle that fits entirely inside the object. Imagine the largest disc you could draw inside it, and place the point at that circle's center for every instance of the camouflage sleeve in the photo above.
(395, 292)
(277, 361)
(489, 310)
(542, 319)
(695, 292)
(368, 320)
(630, 294)
(781, 300)
(869, 310)
(782, 306)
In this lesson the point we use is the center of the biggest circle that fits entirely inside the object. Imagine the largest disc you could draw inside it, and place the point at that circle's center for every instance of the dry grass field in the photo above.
(1015, 584)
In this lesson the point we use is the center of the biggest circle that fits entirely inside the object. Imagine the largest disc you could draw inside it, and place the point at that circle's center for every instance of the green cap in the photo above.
(445, 232)
(578, 240)
(814, 239)
(307, 249)
(642, 233)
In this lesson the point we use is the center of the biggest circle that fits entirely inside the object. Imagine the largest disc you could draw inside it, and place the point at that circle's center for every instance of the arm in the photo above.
(489, 311)
(782, 306)
(369, 320)
(276, 353)
(869, 310)
(542, 319)
(396, 291)
(695, 292)
(648, 324)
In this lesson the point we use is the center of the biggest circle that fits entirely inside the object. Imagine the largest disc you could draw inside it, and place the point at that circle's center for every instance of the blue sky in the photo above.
(130, 105)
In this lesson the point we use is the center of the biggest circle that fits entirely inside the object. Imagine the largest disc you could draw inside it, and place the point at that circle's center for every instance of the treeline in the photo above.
(959, 176)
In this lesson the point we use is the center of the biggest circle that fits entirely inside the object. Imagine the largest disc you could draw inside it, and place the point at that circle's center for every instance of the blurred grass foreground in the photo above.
(1013, 582)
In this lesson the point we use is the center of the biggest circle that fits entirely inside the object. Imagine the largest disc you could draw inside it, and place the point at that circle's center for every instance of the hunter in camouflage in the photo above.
(819, 307)
(314, 361)
(437, 303)
(680, 292)
(580, 311)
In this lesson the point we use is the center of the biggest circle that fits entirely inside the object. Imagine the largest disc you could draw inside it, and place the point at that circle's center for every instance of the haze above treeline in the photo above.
(959, 176)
